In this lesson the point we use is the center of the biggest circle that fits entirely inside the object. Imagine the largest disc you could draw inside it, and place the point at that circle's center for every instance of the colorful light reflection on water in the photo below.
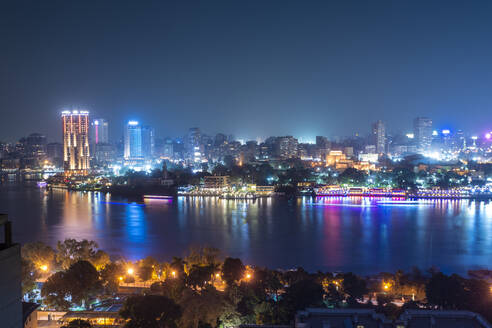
(332, 233)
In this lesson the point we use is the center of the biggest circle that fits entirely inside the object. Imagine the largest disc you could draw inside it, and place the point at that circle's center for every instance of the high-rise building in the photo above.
(133, 141)
(148, 143)
(285, 147)
(76, 159)
(193, 145)
(54, 152)
(99, 132)
(379, 136)
(36, 145)
(422, 130)
(139, 141)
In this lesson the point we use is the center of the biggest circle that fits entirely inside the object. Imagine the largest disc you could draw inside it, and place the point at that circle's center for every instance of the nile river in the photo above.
(331, 234)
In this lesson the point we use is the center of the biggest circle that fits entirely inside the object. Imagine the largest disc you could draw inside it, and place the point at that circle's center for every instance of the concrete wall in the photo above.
(10, 287)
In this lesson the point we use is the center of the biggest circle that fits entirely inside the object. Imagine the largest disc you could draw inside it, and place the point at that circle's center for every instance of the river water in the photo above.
(327, 234)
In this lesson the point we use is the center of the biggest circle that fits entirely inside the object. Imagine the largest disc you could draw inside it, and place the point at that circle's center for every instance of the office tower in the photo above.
(54, 152)
(322, 142)
(10, 278)
(76, 142)
(379, 136)
(36, 145)
(139, 141)
(167, 148)
(285, 147)
(220, 139)
(422, 130)
(99, 131)
(148, 142)
(133, 141)
(193, 145)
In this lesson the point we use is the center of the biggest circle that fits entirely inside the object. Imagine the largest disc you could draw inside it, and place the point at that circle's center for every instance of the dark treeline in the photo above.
(203, 289)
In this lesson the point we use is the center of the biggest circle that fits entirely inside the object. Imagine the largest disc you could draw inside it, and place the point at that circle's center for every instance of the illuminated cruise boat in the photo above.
(359, 191)
(157, 197)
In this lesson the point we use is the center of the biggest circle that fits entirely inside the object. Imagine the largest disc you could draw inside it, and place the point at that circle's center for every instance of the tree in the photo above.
(204, 308)
(28, 276)
(39, 254)
(404, 178)
(199, 276)
(84, 282)
(444, 291)
(232, 270)
(71, 251)
(300, 295)
(354, 286)
(144, 273)
(150, 311)
(148, 268)
(178, 266)
(79, 283)
(203, 256)
(110, 276)
(99, 260)
(55, 291)
(78, 323)
(171, 288)
(352, 176)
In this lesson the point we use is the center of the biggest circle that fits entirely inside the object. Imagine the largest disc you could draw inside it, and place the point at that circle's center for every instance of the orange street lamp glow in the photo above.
(217, 275)
(248, 276)
(44, 268)
(130, 271)
(120, 278)
(173, 274)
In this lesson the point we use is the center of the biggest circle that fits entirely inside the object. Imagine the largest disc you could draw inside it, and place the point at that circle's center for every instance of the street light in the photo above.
(130, 271)
(173, 274)
(44, 268)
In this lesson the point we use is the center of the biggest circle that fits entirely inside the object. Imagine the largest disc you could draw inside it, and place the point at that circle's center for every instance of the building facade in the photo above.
(422, 131)
(379, 136)
(139, 142)
(10, 278)
(76, 156)
(99, 131)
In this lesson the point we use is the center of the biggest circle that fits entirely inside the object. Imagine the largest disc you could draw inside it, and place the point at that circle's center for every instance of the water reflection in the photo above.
(335, 234)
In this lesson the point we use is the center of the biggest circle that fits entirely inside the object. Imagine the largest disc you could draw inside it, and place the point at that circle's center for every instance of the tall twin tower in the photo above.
(76, 155)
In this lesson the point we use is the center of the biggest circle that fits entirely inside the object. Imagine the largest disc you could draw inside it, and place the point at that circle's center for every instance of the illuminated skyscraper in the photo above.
(133, 141)
(99, 131)
(422, 129)
(193, 145)
(379, 136)
(139, 141)
(76, 142)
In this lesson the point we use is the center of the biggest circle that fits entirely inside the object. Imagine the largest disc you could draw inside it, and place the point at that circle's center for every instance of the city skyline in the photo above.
(321, 69)
(109, 136)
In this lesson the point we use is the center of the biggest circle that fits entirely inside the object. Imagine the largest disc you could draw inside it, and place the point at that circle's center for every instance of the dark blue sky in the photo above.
(246, 67)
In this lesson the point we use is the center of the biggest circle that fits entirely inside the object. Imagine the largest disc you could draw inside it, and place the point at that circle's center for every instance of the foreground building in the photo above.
(10, 280)
(76, 156)
(368, 318)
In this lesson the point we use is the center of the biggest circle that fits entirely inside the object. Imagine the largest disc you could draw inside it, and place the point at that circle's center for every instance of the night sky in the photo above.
(249, 68)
